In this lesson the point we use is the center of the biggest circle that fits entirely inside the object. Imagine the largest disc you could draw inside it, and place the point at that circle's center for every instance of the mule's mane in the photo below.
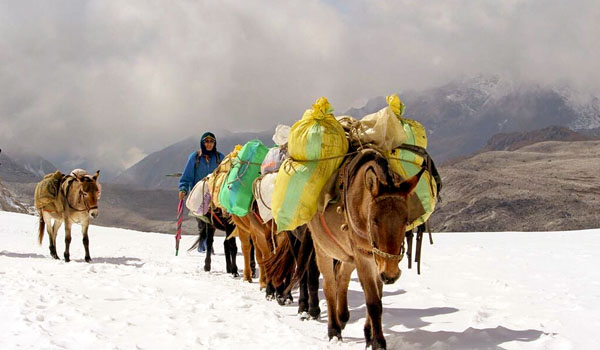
(386, 176)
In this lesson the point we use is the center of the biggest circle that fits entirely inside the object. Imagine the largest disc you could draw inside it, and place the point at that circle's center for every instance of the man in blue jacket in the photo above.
(200, 164)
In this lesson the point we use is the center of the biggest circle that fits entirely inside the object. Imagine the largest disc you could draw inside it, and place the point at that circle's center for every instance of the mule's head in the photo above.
(90, 192)
(382, 214)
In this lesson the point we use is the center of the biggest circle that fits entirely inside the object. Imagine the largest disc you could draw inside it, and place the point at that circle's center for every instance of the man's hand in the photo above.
(181, 195)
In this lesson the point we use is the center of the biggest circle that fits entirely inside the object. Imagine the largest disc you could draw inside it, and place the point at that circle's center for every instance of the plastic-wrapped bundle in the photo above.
(198, 201)
(317, 145)
(236, 191)
(263, 193)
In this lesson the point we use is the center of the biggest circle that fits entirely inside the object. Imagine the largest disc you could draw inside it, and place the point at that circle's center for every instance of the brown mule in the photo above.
(263, 236)
(366, 232)
(76, 202)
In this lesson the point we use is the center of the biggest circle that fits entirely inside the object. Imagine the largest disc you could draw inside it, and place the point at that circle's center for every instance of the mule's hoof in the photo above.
(315, 314)
(334, 333)
(236, 275)
(67, 259)
(88, 259)
(378, 344)
(207, 268)
(254, 274)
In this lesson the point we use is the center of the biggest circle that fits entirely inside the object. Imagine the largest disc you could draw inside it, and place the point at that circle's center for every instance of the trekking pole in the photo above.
(179, 221)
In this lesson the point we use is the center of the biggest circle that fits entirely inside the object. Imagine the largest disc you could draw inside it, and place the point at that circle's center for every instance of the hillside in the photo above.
(545, 186)
(8, 202)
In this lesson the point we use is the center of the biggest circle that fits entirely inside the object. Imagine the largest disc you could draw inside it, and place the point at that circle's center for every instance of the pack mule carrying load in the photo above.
(316, 146)
(403, 142)
(46, 191)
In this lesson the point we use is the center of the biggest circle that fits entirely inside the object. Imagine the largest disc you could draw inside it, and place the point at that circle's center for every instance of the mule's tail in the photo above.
(41, 230)
(195, 245)
(282, 263)
(306, 253)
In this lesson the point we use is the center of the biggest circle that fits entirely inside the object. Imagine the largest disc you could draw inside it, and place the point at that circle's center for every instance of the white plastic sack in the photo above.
(383, 129)
(198, 201)
(263, 195)
(282, 134)
(272, 160)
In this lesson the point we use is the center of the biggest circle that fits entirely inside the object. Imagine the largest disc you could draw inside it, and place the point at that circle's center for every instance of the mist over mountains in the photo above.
(462, 115)
(459, 117)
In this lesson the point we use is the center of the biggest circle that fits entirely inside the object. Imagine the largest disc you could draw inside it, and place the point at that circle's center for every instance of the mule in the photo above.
(265, 240)
(365, 232)
(294, 264)
(76, 202)
(220, 222)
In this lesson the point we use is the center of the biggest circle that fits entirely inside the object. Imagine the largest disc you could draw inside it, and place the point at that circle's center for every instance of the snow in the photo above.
(509, 290)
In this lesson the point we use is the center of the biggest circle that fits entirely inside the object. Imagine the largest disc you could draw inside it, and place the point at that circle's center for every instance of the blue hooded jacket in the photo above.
(197, 167)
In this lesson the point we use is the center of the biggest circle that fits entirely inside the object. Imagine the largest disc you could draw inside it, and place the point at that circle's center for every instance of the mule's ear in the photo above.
(95, 177)
(408, 185)
(371, 181)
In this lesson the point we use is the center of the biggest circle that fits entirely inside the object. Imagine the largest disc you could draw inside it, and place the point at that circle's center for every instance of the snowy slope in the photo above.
(476, 291)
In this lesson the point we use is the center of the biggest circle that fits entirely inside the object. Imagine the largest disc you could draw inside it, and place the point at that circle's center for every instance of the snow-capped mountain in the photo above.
(9, 202)
(22, 167)
(462, 115)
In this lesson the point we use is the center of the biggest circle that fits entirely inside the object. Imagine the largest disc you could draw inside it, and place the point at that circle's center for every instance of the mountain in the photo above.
(151, 171)
(22, 167)
(462, 115)
(8, 202)
(546, 186)
(516, 140)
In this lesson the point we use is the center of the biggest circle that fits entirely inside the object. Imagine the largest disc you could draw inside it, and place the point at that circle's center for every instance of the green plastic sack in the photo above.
(236, 191)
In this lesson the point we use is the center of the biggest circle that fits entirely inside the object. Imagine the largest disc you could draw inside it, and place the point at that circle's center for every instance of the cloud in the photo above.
(110, 81)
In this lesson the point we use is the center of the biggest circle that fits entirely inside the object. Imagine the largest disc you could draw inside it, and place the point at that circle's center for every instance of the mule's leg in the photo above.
(372, 287)
(313, 287)
(282, 297)
(252, 259)
(227, 256)
(303, 296)
(52, 233)
(231, 256)
(343, 274)
(325, 264)
(86, 241)
(68, 225)
(210, 236)
(246, 251)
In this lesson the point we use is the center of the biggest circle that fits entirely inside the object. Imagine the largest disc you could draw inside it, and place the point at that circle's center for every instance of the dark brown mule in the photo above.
(294, 264)
(366, 232)
(265, 240)
(76, 202)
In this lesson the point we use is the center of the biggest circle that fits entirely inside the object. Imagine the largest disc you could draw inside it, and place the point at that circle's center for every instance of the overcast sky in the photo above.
(112, 81)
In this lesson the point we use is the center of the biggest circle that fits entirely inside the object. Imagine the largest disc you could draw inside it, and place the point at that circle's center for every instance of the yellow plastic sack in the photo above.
(216, 178)
(406, 163)
(316, 146)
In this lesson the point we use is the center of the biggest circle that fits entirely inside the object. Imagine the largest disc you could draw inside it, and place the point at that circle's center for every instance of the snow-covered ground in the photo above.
(476, 291)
